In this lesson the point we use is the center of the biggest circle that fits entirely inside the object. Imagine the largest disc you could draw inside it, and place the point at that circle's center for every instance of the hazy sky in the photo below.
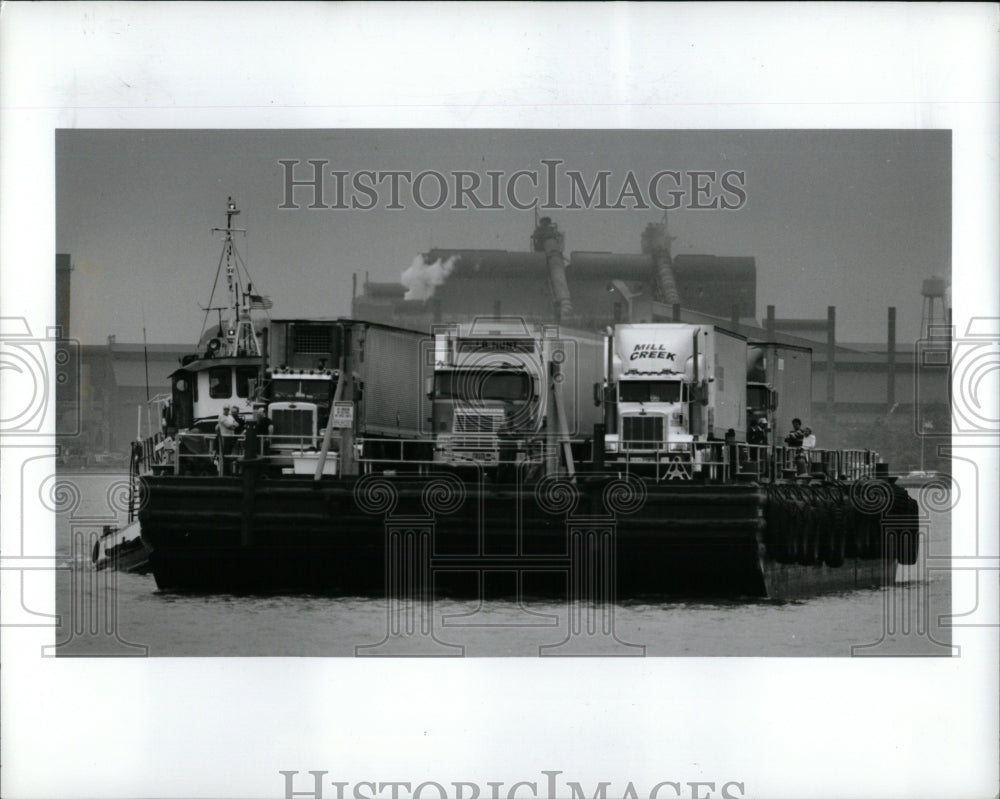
(856, 219)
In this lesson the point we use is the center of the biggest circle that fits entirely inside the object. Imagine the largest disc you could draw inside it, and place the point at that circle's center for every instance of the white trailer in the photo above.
(671, 385)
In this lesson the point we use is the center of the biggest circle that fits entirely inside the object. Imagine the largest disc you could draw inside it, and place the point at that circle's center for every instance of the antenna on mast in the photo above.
(239, 336)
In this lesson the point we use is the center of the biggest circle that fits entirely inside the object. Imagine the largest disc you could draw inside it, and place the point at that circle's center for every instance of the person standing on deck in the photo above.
(263, 427)
(796, 439)
(226, 428)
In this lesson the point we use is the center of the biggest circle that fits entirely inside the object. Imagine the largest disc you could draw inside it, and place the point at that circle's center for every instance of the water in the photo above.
(109, 613)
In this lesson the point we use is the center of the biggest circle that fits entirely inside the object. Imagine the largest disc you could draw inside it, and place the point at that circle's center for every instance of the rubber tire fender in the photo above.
(837, 542)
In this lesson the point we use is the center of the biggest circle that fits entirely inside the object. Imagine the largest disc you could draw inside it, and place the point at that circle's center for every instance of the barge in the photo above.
(608, 534)
(507, 458)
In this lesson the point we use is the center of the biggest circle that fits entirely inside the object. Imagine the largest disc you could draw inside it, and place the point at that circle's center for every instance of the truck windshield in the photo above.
(757, 398)
(300, 389)
(649, 391)
(481, 385)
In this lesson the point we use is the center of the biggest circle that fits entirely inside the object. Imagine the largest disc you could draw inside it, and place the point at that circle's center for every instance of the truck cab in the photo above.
(761, 402)
(673, 392)
(487, 392)
(652, 381)
(652, 413)
(298, 404)
(779, 388)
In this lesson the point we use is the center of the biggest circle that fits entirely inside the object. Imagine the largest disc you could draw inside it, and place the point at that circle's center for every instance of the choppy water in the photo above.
(107, 613)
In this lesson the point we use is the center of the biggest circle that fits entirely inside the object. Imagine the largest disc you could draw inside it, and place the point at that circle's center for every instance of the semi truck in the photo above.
(305, 368)
(671, 386)
(779, 388)
(505, 393)
(298, 404)
(314, 363)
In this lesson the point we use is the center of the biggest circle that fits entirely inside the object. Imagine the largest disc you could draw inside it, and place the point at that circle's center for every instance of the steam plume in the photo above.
(421, 278)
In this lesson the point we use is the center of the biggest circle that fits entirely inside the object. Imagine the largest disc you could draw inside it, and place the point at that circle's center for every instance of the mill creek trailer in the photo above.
(670, 387)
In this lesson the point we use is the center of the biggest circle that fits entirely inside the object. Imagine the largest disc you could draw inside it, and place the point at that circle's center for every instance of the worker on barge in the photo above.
(263, 426)
(226, 429)
(797, 440)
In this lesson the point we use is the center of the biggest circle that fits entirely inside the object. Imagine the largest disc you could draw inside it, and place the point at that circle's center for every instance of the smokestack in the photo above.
(548, 239)
(831, 356)
(656, 243)
(63, 269)
(890, 391)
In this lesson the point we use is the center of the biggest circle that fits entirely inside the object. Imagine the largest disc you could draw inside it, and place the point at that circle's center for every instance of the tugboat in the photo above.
(224, 374)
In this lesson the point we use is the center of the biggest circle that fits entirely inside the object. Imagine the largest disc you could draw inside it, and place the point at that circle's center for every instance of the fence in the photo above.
(716, 461)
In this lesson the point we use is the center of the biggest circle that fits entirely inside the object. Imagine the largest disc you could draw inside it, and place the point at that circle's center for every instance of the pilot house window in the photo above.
(220, 382)
(244, 374)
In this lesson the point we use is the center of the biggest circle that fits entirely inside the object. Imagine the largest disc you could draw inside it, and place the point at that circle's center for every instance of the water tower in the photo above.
(934, 317)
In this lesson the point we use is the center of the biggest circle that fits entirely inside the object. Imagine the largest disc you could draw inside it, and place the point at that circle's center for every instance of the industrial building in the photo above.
(888, 395)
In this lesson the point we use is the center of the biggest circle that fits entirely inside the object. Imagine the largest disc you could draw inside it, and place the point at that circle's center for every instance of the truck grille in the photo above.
(289, 422)
(639, 432)
(478, 422)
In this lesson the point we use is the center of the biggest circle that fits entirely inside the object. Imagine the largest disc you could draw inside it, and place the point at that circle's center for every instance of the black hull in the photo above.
(604, 538)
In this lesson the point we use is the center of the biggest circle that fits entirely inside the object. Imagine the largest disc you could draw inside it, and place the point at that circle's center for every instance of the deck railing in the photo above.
(209, 453)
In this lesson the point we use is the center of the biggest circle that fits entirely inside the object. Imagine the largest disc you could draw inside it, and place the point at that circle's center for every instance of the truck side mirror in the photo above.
(429, 386)
(773, 405)
(598, 394)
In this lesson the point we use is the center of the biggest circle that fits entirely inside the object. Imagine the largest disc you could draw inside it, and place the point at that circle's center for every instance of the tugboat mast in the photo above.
(239, 338)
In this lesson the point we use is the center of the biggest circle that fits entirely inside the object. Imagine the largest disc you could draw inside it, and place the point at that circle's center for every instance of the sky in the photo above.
(856, 219)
